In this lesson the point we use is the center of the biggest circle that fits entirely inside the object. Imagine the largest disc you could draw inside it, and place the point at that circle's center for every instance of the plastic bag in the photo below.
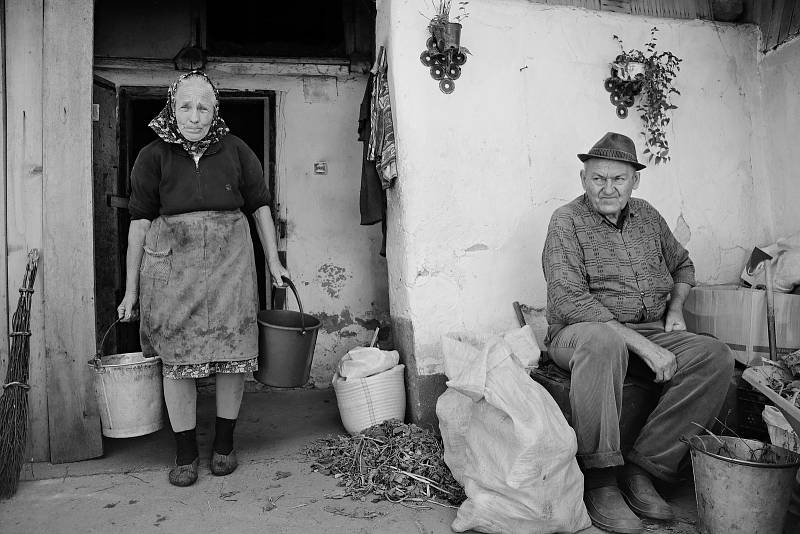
(780, 431)
(506, 440)
(362, 362)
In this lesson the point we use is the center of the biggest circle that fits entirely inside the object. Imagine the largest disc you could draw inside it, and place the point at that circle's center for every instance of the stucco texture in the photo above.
(780, 73)
(482, 169)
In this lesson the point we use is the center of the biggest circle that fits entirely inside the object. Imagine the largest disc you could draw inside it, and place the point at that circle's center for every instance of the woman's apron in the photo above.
(198, 291)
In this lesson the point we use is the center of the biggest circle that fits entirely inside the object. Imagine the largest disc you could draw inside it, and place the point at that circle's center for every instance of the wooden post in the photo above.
(5, 317)
(23, 165)
(68, 230)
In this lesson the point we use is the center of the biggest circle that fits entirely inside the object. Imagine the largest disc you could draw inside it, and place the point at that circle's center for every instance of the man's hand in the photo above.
(674, 320)
(660, 360)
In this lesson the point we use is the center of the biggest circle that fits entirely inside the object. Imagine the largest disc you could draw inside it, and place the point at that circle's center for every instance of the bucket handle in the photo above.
(291, 285)
(97, 361)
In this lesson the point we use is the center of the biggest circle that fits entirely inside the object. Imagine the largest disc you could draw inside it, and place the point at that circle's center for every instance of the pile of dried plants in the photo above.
(786, 388)
(392, 461)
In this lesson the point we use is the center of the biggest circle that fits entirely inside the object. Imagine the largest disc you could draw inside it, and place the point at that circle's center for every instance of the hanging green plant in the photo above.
(444, 55)
(648, 74)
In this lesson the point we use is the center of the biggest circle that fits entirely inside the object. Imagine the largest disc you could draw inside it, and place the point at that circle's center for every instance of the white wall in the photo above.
(780, 74)
(481, 170)
(333, 260)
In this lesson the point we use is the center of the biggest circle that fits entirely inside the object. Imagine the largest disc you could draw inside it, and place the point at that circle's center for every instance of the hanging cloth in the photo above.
(372, 196)
(381, 141)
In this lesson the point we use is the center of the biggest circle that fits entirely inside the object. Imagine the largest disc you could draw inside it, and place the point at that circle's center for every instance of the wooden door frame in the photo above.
(68, 240)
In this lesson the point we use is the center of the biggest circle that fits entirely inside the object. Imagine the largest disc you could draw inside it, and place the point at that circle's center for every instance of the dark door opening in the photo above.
(249, 115)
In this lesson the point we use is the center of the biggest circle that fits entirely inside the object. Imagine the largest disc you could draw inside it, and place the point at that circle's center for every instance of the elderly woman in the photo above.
(190, 263)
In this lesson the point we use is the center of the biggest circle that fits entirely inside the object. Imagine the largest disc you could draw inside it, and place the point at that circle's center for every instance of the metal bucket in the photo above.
(736, 495)
(129, 391)
(286, 341)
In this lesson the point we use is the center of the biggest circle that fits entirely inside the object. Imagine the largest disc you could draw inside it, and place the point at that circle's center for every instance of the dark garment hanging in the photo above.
(373, 196)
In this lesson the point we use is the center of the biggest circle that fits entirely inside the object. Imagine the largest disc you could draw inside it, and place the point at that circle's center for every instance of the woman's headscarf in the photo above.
(166, 126)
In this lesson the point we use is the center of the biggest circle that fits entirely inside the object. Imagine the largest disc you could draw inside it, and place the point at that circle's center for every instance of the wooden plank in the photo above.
(23, 145)
(786, 20)
(68, 230)
(105, 155)
(770, 24)
(794, 24)
(616, 6)
(240, 66)
(775, 24)
(702, 10)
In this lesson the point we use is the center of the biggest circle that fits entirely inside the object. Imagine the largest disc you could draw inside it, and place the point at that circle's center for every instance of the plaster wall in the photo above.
(780, 74)
(333, 260)
(482, 169)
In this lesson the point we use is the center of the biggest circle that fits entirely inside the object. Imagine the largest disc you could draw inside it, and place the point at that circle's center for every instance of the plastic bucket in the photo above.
(286, 341)
(364, 402)
(737, 495)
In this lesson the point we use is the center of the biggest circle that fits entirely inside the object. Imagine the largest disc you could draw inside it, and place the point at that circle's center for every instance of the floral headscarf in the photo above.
(166, 126)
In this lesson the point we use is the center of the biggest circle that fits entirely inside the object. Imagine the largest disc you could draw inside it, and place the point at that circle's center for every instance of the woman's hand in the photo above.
(127, 310)
(278, 271)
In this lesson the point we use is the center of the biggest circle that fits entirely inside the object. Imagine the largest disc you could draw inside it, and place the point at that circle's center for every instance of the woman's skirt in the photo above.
(198, 294)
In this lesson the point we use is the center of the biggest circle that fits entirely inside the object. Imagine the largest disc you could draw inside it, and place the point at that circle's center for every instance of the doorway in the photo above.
(250, 115)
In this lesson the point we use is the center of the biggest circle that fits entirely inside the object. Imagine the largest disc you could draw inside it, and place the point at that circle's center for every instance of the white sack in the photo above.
(454, 411)
(362, 362)
(785, 265)
(524, 346)
(515, 453)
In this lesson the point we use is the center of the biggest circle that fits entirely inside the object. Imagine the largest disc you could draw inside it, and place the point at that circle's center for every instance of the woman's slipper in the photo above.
(184, 475)
(223, 464)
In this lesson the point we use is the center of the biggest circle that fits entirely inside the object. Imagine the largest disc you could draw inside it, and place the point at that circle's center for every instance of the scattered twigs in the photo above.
(764, 454)
(395, 462)
(421, 479)
(710, 433)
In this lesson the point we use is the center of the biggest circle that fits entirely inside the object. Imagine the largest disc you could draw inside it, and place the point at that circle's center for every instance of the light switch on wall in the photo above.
(321, 167)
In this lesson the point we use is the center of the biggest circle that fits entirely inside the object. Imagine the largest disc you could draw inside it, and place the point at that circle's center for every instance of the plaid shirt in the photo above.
(598, 272)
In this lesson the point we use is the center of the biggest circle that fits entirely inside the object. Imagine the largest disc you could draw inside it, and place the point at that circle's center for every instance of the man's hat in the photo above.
(614, 146)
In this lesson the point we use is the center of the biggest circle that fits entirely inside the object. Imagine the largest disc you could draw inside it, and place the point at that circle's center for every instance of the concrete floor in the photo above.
(274, 490)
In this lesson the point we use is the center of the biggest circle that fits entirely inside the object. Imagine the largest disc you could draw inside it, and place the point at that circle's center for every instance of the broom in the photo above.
(14, 402)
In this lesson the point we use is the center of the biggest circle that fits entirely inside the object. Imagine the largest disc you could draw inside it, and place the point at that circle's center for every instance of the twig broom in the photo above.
(14, 401)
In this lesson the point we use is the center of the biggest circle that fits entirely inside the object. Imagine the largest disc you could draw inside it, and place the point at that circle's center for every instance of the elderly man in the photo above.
(616, 282)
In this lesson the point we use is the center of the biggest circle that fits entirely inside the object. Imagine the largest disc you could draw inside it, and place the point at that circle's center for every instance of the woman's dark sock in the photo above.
(223, 435)
(186, 444)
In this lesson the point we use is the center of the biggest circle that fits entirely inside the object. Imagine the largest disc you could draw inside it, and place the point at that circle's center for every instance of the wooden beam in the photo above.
(790, 12)
(68, 230)
(23, 41)
(238, 65)
(794, 24)
(774, 34)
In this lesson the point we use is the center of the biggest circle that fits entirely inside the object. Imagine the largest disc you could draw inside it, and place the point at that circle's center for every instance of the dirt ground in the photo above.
(274, 489)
